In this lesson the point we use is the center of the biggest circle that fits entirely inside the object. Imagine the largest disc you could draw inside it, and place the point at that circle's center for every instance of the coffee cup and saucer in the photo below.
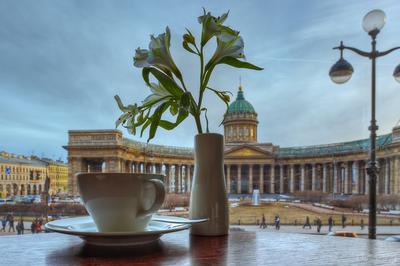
(121, 208)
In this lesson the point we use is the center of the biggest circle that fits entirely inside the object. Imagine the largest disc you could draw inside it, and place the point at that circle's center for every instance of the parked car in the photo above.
(393, 239)
(6, 201)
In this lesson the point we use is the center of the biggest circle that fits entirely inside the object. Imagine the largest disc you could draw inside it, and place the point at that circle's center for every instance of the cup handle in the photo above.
(160, 195)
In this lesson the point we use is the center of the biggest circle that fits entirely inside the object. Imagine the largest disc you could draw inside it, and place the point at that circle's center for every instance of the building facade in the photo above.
(57, 171)
(332, 168)
(20, 175)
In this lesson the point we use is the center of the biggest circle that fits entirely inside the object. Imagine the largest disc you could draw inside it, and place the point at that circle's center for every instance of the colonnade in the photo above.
(342, 177)
(177, 177)
(14, 189)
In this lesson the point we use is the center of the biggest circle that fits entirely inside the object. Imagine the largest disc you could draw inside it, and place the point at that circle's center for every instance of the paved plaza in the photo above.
(382, 231)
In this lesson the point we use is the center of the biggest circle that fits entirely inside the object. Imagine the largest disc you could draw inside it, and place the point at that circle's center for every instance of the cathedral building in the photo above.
(338, 168)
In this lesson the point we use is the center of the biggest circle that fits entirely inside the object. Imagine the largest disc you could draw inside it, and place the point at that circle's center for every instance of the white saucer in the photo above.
(85, 228)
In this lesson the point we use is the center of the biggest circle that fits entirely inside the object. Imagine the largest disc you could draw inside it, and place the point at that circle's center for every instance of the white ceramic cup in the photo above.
(121, 202)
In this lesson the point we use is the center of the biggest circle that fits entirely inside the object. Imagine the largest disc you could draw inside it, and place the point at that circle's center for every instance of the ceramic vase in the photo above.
(208, 198)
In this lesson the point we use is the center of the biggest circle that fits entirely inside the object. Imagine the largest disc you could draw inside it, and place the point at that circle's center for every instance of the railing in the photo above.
(335, 148)
(159, 149)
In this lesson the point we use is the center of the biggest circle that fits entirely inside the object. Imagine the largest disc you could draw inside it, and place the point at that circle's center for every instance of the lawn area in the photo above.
(289, 213)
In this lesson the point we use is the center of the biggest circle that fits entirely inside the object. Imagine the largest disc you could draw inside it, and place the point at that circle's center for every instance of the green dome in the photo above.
(240, 105)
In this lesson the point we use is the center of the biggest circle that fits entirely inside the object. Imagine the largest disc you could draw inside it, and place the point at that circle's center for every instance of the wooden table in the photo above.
(239, 248)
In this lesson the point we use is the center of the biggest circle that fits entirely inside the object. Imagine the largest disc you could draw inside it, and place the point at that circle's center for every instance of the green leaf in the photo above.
(145, 75)
(169, 125)
(173, 108)
(168, 83)
(148, 122)
(155, 120)
(238, 64)
(185, 100)
(120, 105)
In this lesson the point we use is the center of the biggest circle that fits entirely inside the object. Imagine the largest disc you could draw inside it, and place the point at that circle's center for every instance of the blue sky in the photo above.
(61, 63)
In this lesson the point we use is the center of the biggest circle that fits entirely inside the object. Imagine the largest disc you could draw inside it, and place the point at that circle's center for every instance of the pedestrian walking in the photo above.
(362, 224)
(38, 227)
(307, 223)
(3, 224)
(18, 227)
(11, 223)
(343, 221)
(33, 227)
(330, 223)
(319, 224)
(277, 222)
(22, 227)
(263, 224)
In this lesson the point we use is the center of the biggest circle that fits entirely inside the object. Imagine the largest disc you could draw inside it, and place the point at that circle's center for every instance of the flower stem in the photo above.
(201, 91)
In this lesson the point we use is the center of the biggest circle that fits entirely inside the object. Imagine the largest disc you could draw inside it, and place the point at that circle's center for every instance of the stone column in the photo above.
(291, 169)
(324, 178)
(356, 178)
(313, 179)
(392, 176)
(134, 167)
(250, 184)
(396, 174)
(378, 177)
(272, 178)
(346, 178)
(366, 178)
(167, 178)
(239, 179)
(302, 169)
(188, 181)
(228, 178)
(261, 178)
(281, 178)
(191, 173)
(335, 177)
(75, 165)
(387, 170)
(178, 184)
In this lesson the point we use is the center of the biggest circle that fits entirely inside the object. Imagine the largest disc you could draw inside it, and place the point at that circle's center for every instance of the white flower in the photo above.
(159, 96)
(158, 54)
(212, 26)
(228, 45)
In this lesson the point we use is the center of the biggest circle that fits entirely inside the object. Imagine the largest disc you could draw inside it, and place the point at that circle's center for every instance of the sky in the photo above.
(61, 63)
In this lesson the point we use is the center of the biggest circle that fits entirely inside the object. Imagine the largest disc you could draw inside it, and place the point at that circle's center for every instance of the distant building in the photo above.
(57, 171)
(332, 168)
(22, 175)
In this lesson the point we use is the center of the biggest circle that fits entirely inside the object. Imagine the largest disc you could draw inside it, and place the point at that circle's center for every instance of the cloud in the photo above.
(63, 61)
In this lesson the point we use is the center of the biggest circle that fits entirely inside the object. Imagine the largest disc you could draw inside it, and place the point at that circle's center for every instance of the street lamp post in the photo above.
(341, 72)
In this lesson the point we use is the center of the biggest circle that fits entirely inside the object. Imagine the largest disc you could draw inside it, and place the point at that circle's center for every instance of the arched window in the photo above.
(240, 132)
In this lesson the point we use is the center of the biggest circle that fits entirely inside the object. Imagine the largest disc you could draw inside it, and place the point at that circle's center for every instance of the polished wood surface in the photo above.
(239, 248)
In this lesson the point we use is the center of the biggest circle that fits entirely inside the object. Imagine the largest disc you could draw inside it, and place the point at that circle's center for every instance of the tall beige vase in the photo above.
(208, 198)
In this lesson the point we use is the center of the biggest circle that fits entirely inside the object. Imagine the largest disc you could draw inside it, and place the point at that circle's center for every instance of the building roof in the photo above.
(32, 162)
(334, 148)
(240, 105)
(301, 151)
